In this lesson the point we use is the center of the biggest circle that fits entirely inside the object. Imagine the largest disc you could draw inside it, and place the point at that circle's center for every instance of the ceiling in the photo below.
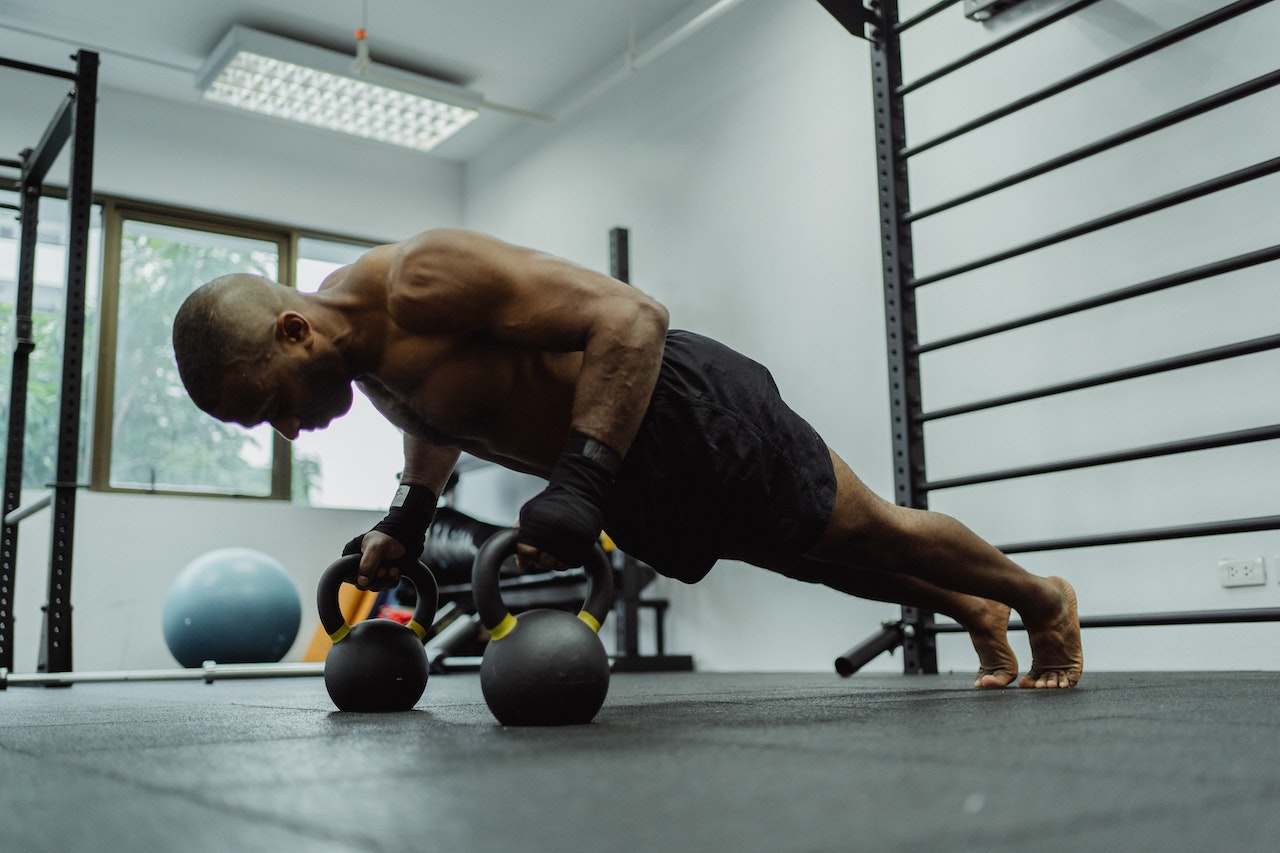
(536, 56)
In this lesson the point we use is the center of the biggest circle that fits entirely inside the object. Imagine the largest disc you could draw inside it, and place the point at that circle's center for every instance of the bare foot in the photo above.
(1057, 657)
(997, 665)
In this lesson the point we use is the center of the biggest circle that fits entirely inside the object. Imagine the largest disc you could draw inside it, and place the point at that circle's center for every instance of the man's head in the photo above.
(223, 328)
(247, 353)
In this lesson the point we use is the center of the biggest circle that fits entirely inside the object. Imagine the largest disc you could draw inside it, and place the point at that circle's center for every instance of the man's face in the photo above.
(293, 393)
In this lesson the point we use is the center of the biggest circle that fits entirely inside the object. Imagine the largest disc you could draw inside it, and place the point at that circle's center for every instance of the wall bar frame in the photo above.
(879, 23)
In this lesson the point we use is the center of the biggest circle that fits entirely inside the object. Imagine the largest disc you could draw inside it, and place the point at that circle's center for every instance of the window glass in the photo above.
(159, 439)
(356, 461)
(48, 317)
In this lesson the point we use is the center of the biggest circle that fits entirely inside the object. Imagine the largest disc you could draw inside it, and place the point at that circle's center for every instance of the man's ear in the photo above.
(293, 328)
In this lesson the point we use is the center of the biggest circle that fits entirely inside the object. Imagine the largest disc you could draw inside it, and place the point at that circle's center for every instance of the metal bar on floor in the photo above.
(1137, 620)
(208, 673)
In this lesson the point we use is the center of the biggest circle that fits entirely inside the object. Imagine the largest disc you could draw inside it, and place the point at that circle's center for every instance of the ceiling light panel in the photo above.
(318, 87)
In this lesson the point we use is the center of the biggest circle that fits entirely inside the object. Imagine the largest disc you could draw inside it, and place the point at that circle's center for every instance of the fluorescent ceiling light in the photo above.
(300, 82)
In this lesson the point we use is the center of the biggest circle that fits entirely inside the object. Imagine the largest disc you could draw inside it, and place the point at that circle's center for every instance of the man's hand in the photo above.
(398, 537)
(561, 524)
(377, 551)
(557, 530)
(529, 558)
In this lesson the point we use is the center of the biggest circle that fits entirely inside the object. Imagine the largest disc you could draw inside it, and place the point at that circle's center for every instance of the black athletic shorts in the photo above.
(719, 460)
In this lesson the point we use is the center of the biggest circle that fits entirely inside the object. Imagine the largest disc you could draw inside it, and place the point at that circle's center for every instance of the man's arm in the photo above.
(462, 282)
(450, 281)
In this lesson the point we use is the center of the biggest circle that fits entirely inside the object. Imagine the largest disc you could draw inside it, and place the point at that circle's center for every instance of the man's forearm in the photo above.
(620, 367)
(427, 464)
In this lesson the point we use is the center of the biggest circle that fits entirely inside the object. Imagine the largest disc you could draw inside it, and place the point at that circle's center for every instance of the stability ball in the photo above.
(231, 605)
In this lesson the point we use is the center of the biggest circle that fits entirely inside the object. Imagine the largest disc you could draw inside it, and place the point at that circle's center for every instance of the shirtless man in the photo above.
(677, 446)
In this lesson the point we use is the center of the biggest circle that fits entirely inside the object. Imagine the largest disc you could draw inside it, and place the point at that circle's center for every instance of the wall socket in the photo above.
(1242, 571)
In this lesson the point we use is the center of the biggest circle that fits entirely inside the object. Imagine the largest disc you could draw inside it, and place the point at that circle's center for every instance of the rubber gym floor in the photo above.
(673, 762)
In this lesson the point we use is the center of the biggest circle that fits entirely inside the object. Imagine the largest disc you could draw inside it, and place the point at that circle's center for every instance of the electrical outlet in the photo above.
(1242, 571)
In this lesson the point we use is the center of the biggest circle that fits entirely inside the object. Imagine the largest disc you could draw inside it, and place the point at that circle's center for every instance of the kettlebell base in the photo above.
(572, 705)
(379, 667)
(552, 670)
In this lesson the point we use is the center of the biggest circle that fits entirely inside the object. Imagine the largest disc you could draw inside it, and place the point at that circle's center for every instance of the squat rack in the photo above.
(73, 121)
(879, 22)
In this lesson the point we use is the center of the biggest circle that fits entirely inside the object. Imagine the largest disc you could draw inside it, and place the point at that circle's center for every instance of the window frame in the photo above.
(115, 213)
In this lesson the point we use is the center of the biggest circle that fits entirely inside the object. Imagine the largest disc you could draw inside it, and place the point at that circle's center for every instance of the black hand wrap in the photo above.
(565, 518)
(407, 521)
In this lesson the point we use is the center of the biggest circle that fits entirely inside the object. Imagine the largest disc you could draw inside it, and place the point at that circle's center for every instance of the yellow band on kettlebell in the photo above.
(503, 628)
(416, 627)
(341, 634)
(592, 622)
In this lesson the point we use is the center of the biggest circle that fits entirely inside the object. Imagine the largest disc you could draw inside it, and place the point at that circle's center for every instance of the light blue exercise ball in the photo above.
(231, 605)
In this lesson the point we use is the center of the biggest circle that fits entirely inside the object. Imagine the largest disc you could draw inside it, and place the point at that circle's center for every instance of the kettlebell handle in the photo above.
(493, 612)
(344, 570)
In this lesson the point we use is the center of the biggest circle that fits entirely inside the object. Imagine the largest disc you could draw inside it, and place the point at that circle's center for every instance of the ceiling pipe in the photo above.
(662, 40)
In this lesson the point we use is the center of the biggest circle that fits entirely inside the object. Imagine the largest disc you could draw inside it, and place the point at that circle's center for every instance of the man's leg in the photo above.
(868, 532)
(986, 621)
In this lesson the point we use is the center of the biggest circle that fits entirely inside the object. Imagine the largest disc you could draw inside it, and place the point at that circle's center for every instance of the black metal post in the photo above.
(919, 648)
(627, 608)
(20, 370)
(55, 652)
(620, 254)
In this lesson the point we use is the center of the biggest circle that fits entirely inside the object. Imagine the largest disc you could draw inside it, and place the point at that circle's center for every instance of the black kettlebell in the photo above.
(545, 667)
(377, 664)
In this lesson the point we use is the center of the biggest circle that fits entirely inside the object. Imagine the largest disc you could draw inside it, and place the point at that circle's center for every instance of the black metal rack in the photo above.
(879, 22)
(73, 121)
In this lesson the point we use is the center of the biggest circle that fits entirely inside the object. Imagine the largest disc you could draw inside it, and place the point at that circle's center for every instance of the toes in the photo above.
(1052, 679)
(992, 680)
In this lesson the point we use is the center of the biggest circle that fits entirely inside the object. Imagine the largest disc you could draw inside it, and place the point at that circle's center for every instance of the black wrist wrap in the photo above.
(565, 518)
(407, 521)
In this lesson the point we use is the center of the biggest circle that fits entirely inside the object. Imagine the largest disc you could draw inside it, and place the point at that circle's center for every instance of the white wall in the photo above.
(743, 165)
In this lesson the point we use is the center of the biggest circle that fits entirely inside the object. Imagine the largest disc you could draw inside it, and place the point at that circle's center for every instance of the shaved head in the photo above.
(225, 327)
